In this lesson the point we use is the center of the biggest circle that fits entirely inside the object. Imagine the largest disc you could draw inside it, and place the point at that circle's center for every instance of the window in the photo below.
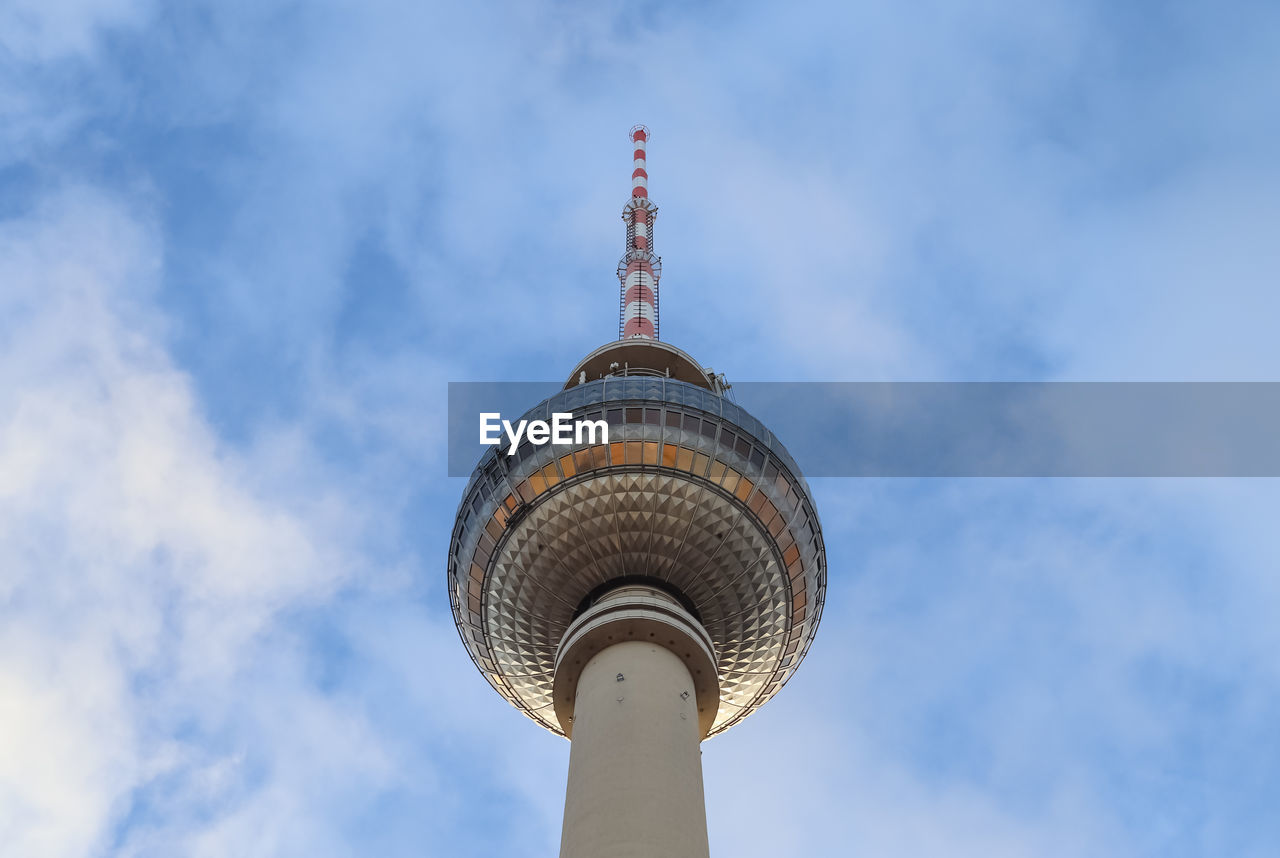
(566, 465)
(551, 475)
(669, 455)
(731, 478)
(526, 492)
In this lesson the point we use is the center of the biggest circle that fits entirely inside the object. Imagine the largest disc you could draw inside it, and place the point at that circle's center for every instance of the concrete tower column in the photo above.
(636, 690)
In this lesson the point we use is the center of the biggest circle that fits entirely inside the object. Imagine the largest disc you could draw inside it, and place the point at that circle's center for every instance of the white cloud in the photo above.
(1022, 668)
(134, 548)
(44, 30)
(160, 690)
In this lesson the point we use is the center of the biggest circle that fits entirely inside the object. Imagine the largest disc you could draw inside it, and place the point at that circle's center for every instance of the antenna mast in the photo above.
(639, 270)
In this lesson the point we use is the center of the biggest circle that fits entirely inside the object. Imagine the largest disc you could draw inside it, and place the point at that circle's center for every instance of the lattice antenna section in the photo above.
(639, 270)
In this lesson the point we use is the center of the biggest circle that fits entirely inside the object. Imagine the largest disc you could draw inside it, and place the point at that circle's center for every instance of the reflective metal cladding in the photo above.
(690, 493)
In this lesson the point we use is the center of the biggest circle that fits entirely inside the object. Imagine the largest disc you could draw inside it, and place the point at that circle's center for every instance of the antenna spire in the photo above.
(639, 269)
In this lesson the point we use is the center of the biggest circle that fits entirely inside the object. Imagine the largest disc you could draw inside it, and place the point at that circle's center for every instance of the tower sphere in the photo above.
(691, 498)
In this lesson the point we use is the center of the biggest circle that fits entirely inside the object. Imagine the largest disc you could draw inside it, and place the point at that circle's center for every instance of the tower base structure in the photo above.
(636, 691)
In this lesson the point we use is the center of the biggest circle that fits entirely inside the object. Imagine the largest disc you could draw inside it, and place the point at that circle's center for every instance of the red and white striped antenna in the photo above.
(639, 269)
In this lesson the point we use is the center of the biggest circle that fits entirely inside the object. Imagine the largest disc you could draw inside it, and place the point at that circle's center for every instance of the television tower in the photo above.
(640, 594)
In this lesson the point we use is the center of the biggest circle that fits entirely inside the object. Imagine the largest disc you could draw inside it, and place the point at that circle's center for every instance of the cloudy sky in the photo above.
(244, 246)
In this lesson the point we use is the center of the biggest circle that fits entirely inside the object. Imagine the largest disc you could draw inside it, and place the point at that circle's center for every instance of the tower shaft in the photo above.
(635, 770)
(639, 269)
(636, 680)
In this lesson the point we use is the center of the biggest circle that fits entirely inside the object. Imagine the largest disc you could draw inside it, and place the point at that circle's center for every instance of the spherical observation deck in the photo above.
(691, 495)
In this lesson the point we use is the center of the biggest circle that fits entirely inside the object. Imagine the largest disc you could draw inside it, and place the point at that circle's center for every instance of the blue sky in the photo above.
(244, 246)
